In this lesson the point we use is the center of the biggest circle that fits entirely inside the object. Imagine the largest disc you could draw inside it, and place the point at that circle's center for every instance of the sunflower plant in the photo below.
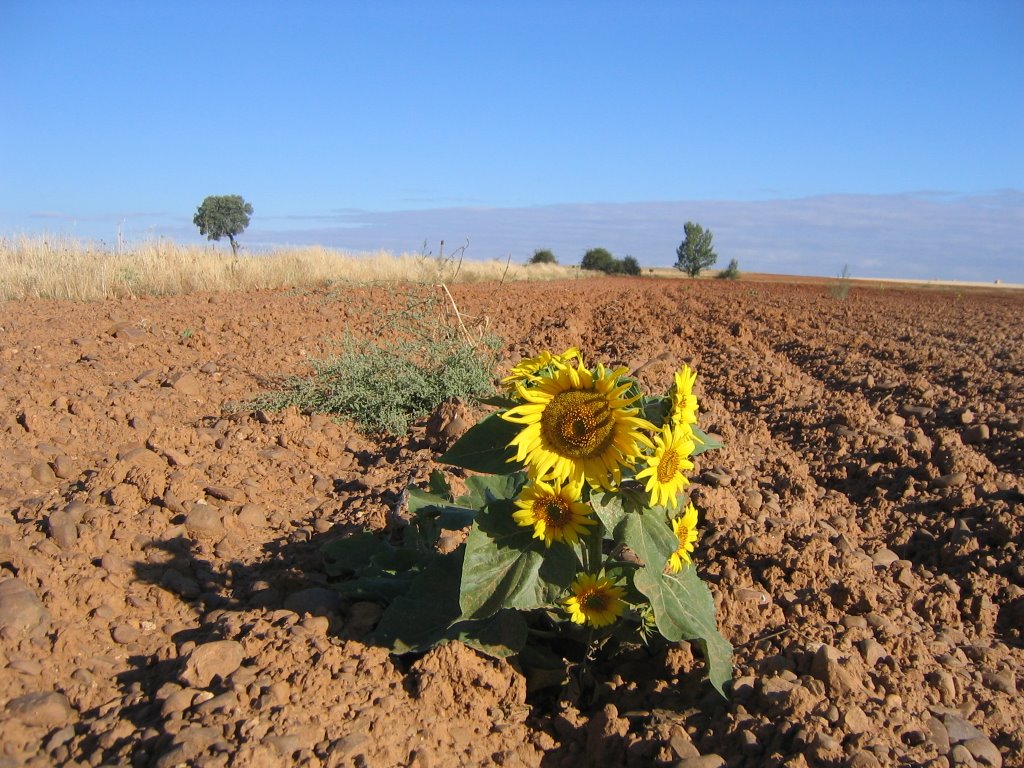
(581, 535)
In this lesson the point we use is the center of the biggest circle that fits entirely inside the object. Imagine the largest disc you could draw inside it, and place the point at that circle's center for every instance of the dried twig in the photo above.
(508, 263)
(458, 315)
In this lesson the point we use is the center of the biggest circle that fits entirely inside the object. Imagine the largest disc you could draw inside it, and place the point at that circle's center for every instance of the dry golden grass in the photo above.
(63, 268)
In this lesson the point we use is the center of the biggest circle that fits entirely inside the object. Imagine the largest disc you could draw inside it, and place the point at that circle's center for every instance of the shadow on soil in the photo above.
(290, 577)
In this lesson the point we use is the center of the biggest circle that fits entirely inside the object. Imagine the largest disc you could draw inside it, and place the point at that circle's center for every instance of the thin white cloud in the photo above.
(923, 235)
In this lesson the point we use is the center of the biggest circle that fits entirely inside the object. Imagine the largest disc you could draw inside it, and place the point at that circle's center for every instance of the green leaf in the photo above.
(704, 441)
(429, 506)
(684, 608)
(649, 534)
(506, 568)
(483, 489)
(655, 409)
(439, 485)
(498, 401)
(354, 554)
(398, 560)
(421, 618)
(484, 448)
(384, 589)
(502, 635)
(419, 499)
(608, 508)
(542, 667)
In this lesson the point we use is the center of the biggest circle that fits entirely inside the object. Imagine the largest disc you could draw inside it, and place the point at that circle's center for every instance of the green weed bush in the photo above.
(384, 385)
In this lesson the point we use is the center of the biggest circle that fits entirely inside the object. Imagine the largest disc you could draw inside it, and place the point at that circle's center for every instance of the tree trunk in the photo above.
(234, 245)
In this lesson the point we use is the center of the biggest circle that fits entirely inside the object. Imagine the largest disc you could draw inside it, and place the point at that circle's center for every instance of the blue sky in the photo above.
(806, 135)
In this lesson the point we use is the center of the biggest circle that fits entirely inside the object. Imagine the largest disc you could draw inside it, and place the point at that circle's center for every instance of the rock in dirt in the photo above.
(959, 729)
(984, 752)
(186, 383)
(952, 480)
(318, 601)
(216, 659)
(827, 666)
(938, 735)
(976, 433)
(224, 493)
(204, 521)
(681, 743)
(63, 528)
(863, 759)
(21, 611)
(44, 708)
(449, 421)
(701, 761)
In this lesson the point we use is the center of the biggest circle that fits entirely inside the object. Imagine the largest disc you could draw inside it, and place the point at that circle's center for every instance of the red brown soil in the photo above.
(163, 602)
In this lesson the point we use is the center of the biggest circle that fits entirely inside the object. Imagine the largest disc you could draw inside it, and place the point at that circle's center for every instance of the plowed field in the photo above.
(163, 601)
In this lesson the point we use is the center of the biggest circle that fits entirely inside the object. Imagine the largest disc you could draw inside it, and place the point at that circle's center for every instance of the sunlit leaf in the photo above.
(484, 448)
(683, 605)
(608, 508)
(704, 441)
(481, 490)
(448, 515)
(684, 609)
(506, 568)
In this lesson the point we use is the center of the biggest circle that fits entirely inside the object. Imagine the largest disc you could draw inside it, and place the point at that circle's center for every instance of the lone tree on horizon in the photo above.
(695, 252)
(223, 216)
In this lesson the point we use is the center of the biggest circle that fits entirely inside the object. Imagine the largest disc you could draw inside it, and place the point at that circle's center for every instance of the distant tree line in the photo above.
(693, 255)
(601, 260)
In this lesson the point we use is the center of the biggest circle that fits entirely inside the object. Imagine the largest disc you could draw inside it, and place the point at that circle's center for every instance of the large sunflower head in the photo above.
(526, 370)
(578, 425)
(554, 511)
(665, 471)
(684, 402)
(685, 529)
(595, 600)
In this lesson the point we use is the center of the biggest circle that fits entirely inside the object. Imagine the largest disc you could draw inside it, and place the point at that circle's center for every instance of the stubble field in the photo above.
(163, 601)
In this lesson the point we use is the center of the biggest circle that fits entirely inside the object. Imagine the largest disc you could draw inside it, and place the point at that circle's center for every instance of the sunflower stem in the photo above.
(592, 552)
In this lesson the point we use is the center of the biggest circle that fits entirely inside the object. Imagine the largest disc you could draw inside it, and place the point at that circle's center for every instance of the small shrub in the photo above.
(383, 385)
(598, 260)
(731, 272)
(840, 289)
(601, 260)
(543, 256)
(631, 266)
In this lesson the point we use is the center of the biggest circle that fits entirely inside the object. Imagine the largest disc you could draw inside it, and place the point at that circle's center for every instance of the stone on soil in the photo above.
(21, 611)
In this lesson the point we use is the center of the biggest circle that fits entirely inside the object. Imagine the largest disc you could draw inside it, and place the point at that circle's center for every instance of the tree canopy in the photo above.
(601, 260)
(543, 256)
(223, 216)
(695, 252)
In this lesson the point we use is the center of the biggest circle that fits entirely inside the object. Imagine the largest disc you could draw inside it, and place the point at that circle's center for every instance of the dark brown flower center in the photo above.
(594, 600)
(578, 424)
(668, 467)
(683, 533)
(553, 510)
